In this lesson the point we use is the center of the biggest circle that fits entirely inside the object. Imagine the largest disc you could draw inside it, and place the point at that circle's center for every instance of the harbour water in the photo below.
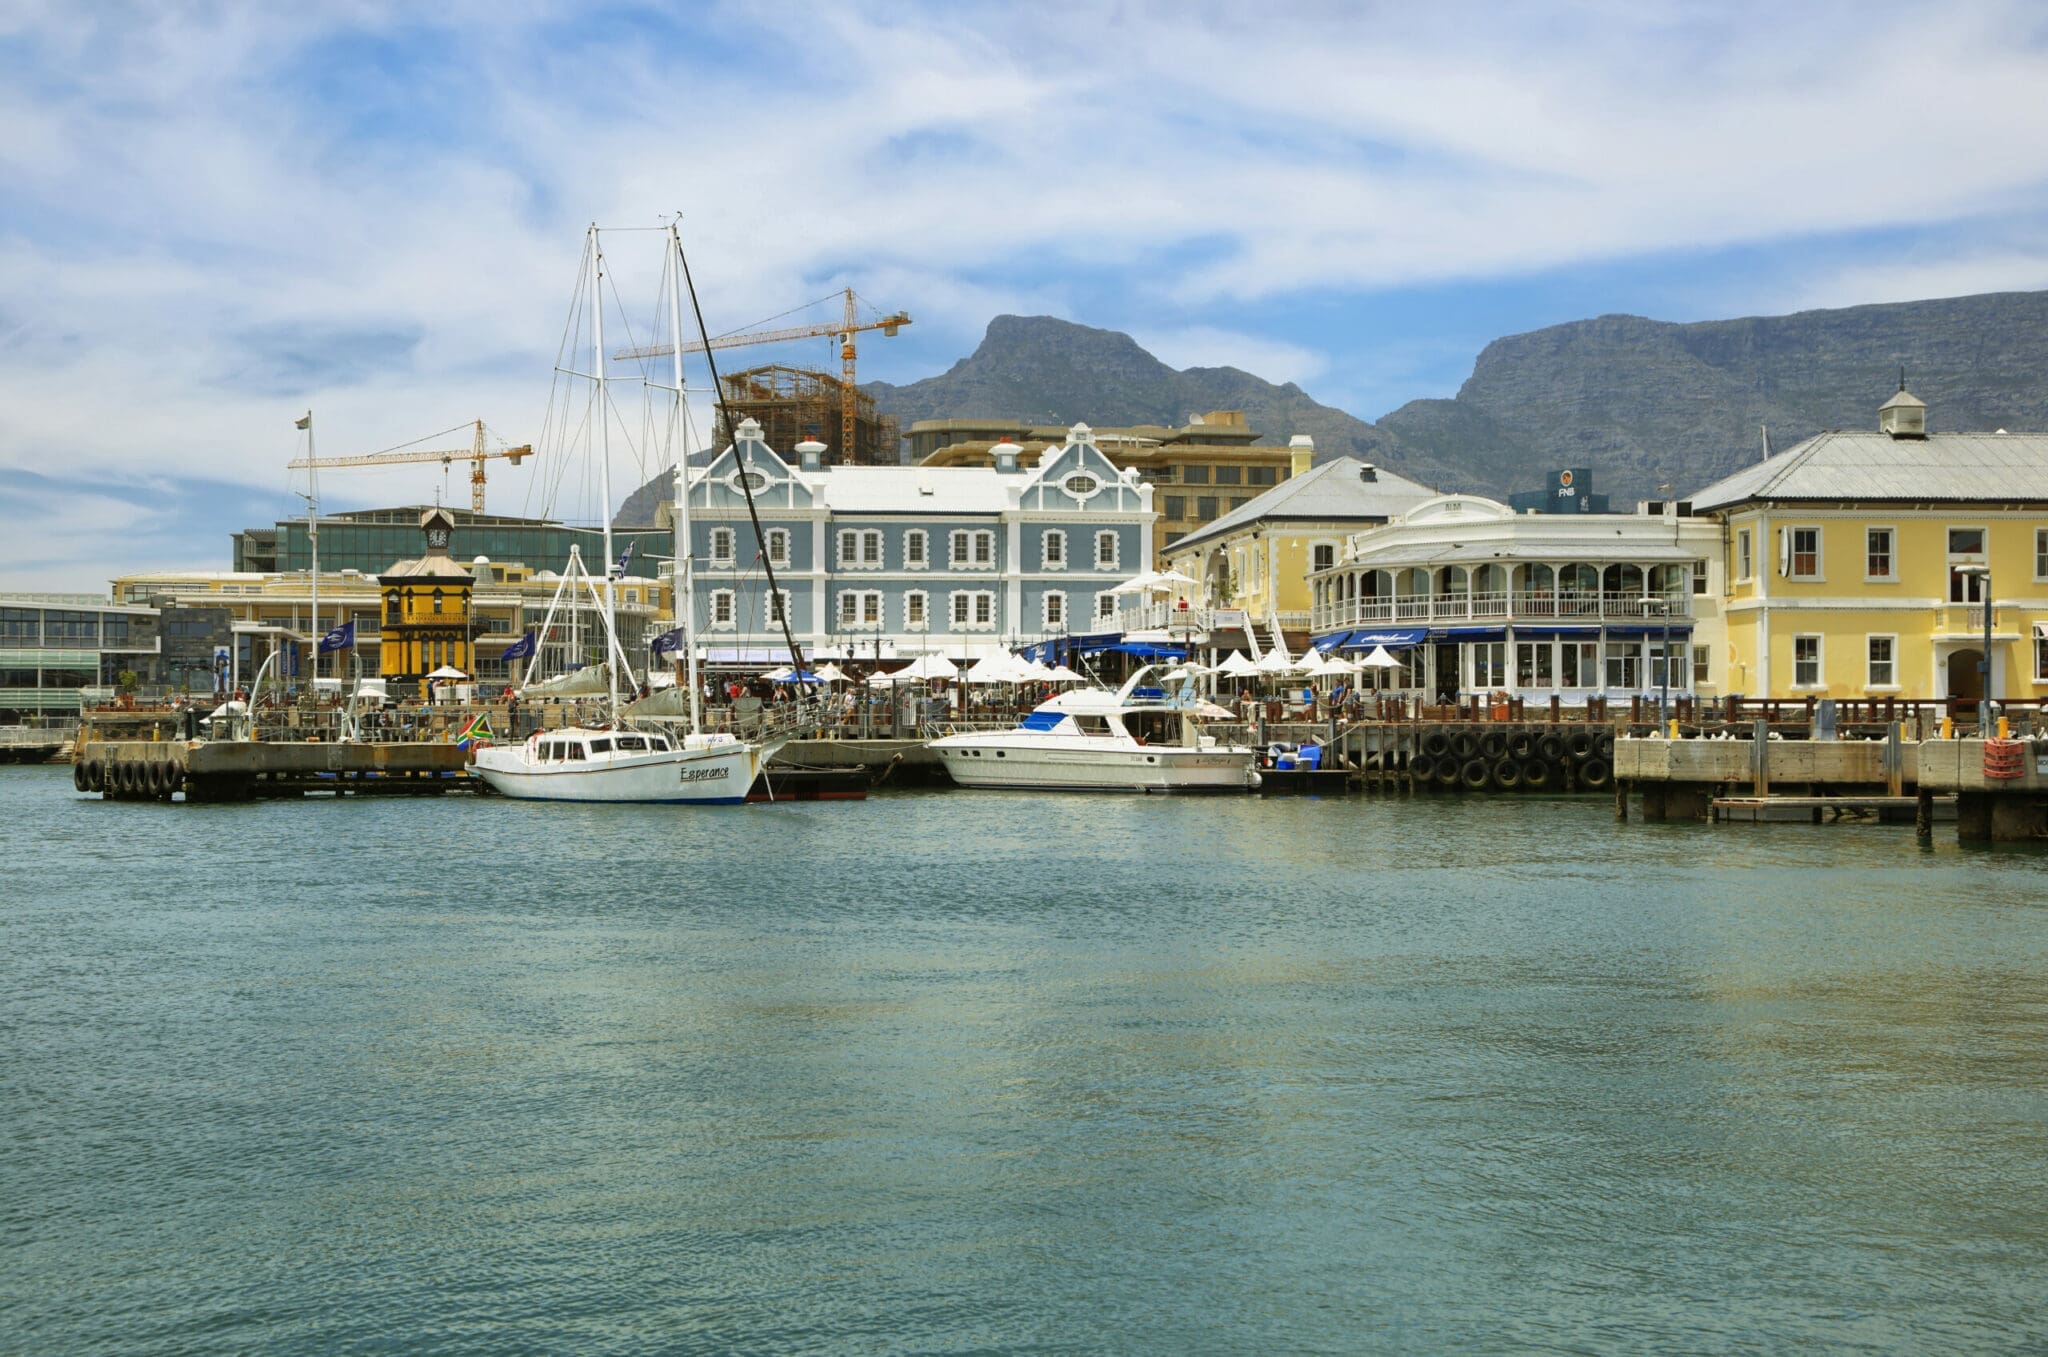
(973, 1071)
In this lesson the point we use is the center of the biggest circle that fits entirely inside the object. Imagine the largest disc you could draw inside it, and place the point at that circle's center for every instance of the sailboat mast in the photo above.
(604, 455)
(313, 537)
(685, 593)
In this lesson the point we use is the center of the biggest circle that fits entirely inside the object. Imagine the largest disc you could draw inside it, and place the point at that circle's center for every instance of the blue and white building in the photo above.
(882, 563)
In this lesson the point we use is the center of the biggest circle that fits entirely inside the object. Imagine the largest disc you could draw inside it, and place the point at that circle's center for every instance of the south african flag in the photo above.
(479, 728)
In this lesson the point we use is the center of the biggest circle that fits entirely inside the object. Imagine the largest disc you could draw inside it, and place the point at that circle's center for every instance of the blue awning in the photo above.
(1048, 652)
(1392, 640)
(1334, 641)
(1145, 650)
(1492, 633)
(1536, 629)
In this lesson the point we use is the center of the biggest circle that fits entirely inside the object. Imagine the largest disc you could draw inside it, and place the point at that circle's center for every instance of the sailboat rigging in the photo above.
(620, 760)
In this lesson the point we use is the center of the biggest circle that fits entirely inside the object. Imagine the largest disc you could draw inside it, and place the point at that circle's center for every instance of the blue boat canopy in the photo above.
(1042, 720)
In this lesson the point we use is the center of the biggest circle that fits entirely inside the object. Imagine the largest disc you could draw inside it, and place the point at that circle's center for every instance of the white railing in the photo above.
(1162, 616)
(1624, 606)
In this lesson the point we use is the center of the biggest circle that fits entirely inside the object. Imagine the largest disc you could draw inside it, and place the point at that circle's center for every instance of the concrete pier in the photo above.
(1989, 809)
(230, 770)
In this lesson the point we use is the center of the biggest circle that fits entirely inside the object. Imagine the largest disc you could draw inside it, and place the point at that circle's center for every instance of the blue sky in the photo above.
(215, 217)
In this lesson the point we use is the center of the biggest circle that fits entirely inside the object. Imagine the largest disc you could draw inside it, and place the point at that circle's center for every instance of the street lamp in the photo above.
(1983, 572)
(1662, 607)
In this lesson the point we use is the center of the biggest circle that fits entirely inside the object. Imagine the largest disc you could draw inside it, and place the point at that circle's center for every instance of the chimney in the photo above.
(1005, 455)
(813, 454)
(1904, 415)
(1301, 450)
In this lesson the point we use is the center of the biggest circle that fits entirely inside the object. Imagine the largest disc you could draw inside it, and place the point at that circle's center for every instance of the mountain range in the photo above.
(1655, 408)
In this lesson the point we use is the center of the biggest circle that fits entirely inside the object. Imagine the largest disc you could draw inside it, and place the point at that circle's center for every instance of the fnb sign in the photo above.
(1572, 490)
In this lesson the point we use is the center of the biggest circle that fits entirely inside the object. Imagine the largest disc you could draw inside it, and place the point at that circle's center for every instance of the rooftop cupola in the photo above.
(1904, 415)
(1004, 454)
(813, 454)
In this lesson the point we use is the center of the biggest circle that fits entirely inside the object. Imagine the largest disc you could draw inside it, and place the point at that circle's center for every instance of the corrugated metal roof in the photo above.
(1509, 551)
(1976, 467)
(1332, 490)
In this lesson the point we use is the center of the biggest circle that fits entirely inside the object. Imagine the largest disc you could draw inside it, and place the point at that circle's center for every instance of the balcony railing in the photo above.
(1163, 615)
(1497, 607)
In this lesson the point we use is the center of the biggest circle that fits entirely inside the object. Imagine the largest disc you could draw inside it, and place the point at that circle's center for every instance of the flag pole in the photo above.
(313, 536)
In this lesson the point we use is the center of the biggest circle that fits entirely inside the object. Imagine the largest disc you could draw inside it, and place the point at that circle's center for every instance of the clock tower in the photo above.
(426, 607)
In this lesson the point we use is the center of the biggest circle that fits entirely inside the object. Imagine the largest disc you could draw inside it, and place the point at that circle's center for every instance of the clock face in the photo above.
(437, 537)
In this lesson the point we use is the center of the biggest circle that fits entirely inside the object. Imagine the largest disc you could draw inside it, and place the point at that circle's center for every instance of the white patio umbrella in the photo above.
(1308, 662)
(992, 669)
(1036, 670)
(1274, 661)
(1379, 659)
(1330, 666)
(1065, 675)
(1237, 666)
(831, 672)
(447, 671)
(931, 667)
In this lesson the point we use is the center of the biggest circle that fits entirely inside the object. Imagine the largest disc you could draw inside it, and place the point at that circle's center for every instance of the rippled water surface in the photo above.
(967, 1071)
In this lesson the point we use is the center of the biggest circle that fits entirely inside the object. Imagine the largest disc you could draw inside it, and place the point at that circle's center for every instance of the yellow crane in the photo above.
(845, 330)
(477, 454)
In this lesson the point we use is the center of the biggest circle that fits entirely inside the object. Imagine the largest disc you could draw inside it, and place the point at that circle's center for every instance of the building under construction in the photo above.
(793, 404)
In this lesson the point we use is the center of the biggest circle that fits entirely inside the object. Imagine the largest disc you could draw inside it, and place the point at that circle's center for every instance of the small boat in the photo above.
(583, 764)
(1136, 739)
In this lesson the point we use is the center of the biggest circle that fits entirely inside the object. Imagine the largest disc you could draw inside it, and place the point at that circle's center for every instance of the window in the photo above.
(968, 550)
(1532, 664)
(1229, 475)
(721, 608)
(778, 607)
(1323, 555)
(1702, 658)
(1055, 550)
(916, 551)
(1699, 577)
(916, 610)
(1806, 662)
(1965, 548)
(2040, 554)
(1489, 664)
(1055, 610)
(778, 546)
(1105, 607)
(1105, 551)
(632, 596)
(1802, 553)
(1176, 507)
(860, 608)
(1205, 508)
(871, 548)
(1878, 563)
(1676, 661)
(1081, 485)
(1883, 671)
(391, 612)
(1195, 475)
(2041, 652)
(1743, 570)
(1262, 475)
(973, 609)
(721, 546)
(1624, 664)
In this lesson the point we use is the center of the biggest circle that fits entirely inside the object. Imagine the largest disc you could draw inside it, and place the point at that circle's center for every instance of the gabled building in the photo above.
(1258, 558)
(1856, 563)
(880, 562)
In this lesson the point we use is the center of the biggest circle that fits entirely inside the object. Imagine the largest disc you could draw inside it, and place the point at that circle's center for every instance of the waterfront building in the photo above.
(1253, 564)
(881, 562)
(426, 621)
(1474, 598)
(1210, 466)
(368, 540)
(54, 645)
(1853, 563)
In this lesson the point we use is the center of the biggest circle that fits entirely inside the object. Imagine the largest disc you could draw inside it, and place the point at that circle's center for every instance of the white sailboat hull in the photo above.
(719, 775)
(1029, 761)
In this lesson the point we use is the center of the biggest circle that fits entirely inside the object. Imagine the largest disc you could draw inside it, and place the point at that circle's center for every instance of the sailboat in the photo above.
(611, 762)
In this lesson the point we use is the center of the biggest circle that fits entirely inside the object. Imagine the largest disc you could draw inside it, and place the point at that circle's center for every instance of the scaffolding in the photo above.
(792, 404)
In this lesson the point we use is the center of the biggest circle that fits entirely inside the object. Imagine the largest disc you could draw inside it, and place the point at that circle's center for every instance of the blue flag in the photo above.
(668, 642)
(520, 649)
(341, 638)
(625, 559)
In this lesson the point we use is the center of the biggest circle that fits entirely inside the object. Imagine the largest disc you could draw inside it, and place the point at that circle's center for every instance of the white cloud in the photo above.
(1919, 278)
(1205, 346)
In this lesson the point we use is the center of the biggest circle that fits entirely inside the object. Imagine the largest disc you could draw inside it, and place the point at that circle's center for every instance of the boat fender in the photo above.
(1422, 767)
(79, 781)
(1594, 773)
(1522, 746)
(1475, 775)
(153, 778)
(1436, 744)
(1507, 775)
(1535, 775)
(1582, 746)
(1550, 748)
(1604, 746)
(174, 776)
(1492, 745)
(1464, 744)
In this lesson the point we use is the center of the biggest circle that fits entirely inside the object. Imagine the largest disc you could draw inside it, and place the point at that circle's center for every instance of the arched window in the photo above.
(392, 615)
(1626, 580)
(437, 600)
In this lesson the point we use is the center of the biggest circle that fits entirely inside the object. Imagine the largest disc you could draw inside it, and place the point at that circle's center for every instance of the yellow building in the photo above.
(1259, 556)
(1856, 564)
(1210, 466)
(426, 614)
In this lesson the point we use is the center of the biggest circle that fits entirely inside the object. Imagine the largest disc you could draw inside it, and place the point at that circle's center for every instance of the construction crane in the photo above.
(851, 325)
(477, 454)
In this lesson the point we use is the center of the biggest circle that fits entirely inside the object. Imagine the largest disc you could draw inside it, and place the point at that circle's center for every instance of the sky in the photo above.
(216, 217)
